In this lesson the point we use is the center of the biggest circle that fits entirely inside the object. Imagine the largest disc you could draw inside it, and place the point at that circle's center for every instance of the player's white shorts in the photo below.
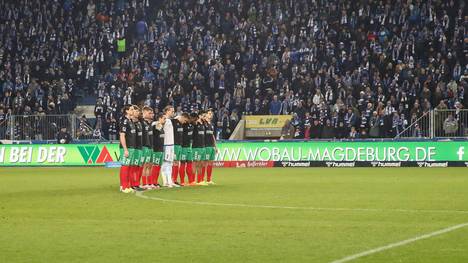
(169, 153)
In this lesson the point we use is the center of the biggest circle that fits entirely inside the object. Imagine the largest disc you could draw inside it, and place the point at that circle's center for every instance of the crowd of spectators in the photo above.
(341, 68)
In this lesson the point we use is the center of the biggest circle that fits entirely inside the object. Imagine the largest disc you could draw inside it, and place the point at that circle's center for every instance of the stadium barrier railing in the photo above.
(445, 123)
(44, 128)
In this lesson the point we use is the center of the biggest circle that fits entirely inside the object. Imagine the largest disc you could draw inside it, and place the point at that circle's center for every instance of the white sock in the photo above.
(167, 172)
(169, 175)
(163, 173)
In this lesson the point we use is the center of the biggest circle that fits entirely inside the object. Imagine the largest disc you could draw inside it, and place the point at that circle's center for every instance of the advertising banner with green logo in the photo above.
(58, 154)
(262, 154)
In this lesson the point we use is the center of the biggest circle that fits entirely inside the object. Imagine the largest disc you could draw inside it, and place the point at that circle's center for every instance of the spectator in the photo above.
(450, 126)
(374, 124)
(417, 133)
(226, 125)
(3, 122)
(275, 106)
(63, 137)
(286, 130)
(316, 129)
(112, 129)
(353, 134)
(307, 126)
(318, 97)
(234, 119)
(328, 131)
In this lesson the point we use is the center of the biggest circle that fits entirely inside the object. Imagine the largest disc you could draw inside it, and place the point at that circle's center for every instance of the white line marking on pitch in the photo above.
(399, 244)
(141, 195)
(348, 258)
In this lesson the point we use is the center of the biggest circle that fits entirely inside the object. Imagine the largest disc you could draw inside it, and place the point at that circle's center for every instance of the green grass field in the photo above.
(251, 215)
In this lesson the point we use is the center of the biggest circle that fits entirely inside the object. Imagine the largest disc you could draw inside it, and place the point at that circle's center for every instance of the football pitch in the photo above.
(251, 215)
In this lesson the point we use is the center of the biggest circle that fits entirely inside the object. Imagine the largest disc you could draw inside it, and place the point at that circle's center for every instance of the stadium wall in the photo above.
(242, 154)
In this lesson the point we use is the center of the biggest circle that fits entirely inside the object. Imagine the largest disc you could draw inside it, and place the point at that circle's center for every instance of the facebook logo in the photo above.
(460, 152)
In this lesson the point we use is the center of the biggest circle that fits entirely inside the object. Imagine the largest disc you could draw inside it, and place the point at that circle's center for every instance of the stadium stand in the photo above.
(343, 69)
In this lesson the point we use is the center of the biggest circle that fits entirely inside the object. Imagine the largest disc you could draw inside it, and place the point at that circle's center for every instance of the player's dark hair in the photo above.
(185, 115)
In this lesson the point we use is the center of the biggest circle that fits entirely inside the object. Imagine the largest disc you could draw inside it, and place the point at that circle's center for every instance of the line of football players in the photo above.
(143, 150)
